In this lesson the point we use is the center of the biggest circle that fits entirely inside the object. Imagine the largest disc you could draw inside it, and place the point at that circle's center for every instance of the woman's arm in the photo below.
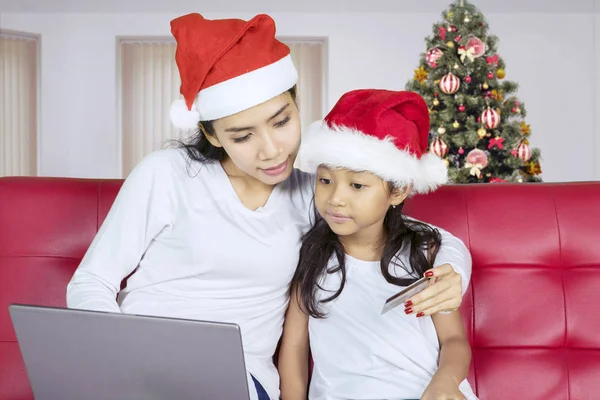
(140, 211)
(455, 357)
(451, 275)
(294, 352)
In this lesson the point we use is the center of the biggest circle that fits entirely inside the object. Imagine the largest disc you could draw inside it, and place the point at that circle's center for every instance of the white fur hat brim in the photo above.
(341, 147)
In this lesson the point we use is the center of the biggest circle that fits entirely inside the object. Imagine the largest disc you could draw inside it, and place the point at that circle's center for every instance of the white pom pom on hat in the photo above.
(183, 118)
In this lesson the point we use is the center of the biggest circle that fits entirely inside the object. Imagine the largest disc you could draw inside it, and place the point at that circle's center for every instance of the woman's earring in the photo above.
(394, 206)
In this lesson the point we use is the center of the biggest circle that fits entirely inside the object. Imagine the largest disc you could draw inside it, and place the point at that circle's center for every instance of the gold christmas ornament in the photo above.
(455, 66)
(436, 102)
(420, 74)
(450, 44)
(441, 130)
(481, 133)
(500, 73)
(455, 125)
(485, 86)
(534, 168)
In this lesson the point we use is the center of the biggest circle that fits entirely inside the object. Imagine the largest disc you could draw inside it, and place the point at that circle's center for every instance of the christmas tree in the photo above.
(478, 124)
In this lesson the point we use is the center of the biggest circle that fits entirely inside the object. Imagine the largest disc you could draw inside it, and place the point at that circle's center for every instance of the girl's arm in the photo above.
(294, 351)
(140, 211)
(455, 357)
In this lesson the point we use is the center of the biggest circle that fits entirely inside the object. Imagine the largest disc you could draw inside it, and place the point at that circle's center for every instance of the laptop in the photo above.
(74, 354)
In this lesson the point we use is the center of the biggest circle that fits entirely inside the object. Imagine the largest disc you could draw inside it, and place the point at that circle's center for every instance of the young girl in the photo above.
(212, 230)
(370, 155)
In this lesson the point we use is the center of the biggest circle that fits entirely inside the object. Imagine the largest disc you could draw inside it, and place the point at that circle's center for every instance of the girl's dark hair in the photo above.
(320, 243)
(199, 149)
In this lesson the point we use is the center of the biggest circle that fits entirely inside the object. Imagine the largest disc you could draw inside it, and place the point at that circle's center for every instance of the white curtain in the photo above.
(18, 104)
(308, 59)
(150, 82)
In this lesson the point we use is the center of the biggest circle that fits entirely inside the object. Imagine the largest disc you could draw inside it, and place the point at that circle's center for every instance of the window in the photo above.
(149, 82)
(18, 104)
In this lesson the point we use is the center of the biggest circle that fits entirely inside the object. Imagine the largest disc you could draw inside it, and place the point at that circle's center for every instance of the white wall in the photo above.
(554, 65)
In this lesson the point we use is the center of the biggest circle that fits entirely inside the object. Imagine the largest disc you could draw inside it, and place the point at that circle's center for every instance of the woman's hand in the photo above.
(444, 293)
(442, 387)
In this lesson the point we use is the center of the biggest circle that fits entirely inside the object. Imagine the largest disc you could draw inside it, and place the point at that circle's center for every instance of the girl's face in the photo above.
(262, 141)
(354, 204)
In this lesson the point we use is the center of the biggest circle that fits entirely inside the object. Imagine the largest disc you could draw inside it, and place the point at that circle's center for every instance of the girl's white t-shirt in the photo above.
(359, 353)
(197, 252)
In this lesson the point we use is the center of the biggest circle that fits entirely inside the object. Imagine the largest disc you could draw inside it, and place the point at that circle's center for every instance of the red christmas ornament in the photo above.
(516, 104)
(523, 151)
(439, 148)
(449, 83)
(457, 39)
(514, 109)
(461, 151)
(497, 180)
(497, 141)
(476, 46)
(432, 56)
(492, 60)
(490, 75)
(452, 28)
(442, 31)
(490, 118)
(461, 108)
(468, 79)
(436, 94)
(478, 119)
(477, 157)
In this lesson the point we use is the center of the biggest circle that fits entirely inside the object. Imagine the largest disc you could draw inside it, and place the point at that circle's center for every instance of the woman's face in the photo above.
(261, 141)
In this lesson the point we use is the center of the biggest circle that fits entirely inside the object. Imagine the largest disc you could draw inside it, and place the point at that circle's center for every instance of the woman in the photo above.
(212, 231)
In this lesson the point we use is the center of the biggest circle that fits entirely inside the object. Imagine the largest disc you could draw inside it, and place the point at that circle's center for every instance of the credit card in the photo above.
(404, 294)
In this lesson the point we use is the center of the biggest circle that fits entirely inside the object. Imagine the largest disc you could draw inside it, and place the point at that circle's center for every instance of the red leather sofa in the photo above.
(532, 310)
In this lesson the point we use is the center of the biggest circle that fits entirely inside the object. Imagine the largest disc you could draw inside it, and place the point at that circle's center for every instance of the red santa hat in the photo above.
(380, 131)
(227, 66)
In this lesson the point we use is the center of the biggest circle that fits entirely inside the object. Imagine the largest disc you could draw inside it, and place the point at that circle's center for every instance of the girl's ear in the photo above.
(399, 194)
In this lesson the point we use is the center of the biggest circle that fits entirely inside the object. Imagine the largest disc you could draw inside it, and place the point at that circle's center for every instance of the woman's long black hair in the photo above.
(320, 243)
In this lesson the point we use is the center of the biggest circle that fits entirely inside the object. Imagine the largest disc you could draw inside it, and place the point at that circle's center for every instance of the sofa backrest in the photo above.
(531, 310)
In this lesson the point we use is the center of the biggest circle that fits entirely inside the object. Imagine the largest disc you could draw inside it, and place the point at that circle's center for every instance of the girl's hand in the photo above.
(443, 294)
(442, 387)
